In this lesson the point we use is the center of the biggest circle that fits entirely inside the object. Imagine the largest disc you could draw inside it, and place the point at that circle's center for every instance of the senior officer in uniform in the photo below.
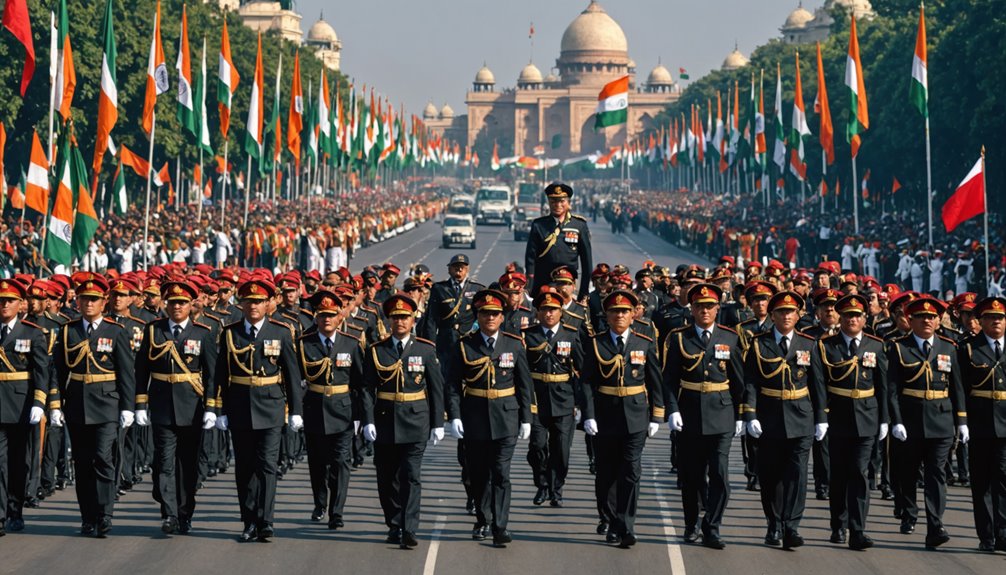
(983, 370)
(403, 406)
(927, 398)
(623, 405)
(331, 362)
(489, 404)
(784, 408)
(558, 239)
(176, 392)
(24, 387)
(258, 380)
(554, 355)
(704, 385)
(94, 365)
(853, 367)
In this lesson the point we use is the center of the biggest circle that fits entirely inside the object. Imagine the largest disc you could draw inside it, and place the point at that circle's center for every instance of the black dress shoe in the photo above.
(885, 493)
(501, 538)
(480, 532)
(317, 514)
(860, 542)
(773, 538)
(602, 527)
(169, 525)
(3, 530)
(409, 540)
(822, 494)
(104, 526)
(628, 539)
(15, 524)
(907, 527)
(612, 537)
(87, 528)
(470, 506)
(556, 500)
(540, 496)
(691, 535)
(792, 540)
(265, 531)
(1001, 543)
(60, 484)
(964, 482)
(211, 473)
(336, 523)
(249, 534)
(838, 535)
(713, 541)
(752, 484)
(394, 536)
(987, 547)
(592, 467)
(32, 502)
(184, 526)
(936, 539)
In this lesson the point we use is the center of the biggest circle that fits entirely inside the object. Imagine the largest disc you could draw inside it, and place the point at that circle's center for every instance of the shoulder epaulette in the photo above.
(567, 326)
(679, 329)
(426, 341)
(801, 334)
(233, 324)
(647, 338)
(273, 321)
(763, 334)
(871, 337)
(523, 308)
(68, 318)
(726, 328)
(947, 339)
(643, 321)
(306, 311)
(110, 321)
(31, 324)
(747, 321)
(579, 217)
(606, 332)
(202, 325)
(508, 334)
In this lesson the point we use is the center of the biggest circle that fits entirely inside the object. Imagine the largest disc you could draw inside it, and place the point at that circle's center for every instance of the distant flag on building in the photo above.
(295, 116)
(827, 131)
(859, 117)
(227, 81)
(683, 74)
(919, 89)
(37, 183)
(613, 104)
(186, 105)
(66, 74)
(16, 19)
(157, 74)
(969, 199)
(108, 99)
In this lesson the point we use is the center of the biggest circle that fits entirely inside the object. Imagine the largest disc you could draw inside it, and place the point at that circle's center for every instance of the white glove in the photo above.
(899, 432)
(963, 435)
(296, 423)
(738, 428)
(125, 419)
(457, 429)
(356, 426)
(675, 423)
(35, 415)
(436, 435)
(652, 429)
(56, 418)
(577, 415)
(142, 418)
(883, 431)
(209, 420)
(590, 427)
(754, 428)
(820, 430)
(222, 423)
(525, 431)
(370, 432)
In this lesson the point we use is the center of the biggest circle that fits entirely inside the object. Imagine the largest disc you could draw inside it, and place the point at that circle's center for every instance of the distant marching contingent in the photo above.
(176, 366)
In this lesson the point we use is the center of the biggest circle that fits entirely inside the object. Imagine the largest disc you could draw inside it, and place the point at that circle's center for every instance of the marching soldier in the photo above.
(599, 277)
(644, 291)
(756, 294)
(25, 377)
(516, 316)
(554, 355)
(574, 313)
(827, 325)
(176, 392)
(704, 381)
(489, 404)
(94, 366)
(258, 380)
(132, 441)
(54, 440)
(331, 362)
(623, 405)
(389, 275)
(927, 399)
(783, 395)
(558, 239)
(403, 407)
(853, 367)
(983, 370)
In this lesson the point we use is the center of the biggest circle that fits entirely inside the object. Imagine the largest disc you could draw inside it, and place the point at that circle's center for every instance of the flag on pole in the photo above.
(720, 137)
(827, 131)
(324, 110)
(866, 184)
(140, 165)
(157, 74)
(85, 220)
(800, 129)
(295, 116)
(227, 82)
(859, 118)
(779, 153)
(119, 201)
(186, 106)
(60, 236)
(66, 74)
(969, 199)
(919, 89)
(37, 182)
(613, 104)
(683, 74)
(256, 110)
(761, 147)
(495, 165)
(108, 100)
(203, 125)
(17, 20)
(273, 127)
(895, 186)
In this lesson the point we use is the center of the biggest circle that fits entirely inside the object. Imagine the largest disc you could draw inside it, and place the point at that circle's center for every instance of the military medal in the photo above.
(506, 359)
(563, 348)
(571, 236)
(721, 351)
(637, 357)
(192, 347)
(271, 347)
(803, 358)
(104, 344)
(22, 345)
(869, 359)
(943, 363)
(343, 360)
(415, 363)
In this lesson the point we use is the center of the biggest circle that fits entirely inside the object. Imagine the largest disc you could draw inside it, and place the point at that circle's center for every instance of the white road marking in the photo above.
(488, 252)
(431, 554)
(673, 548)
(410, 246)
(645, 253)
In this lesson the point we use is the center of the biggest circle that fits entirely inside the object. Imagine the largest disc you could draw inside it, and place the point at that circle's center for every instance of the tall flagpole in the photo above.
(199, 190)
(985, 201)
(929, 187)
(146, 208)
(855, 200)
(223, 194)
(52, 88)
(247, 191)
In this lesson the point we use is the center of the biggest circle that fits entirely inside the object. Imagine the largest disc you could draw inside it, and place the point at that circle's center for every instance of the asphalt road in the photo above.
(547, 540)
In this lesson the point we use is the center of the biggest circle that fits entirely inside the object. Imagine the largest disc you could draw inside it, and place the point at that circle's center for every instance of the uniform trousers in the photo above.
(176, 468)
(256, 453)
(328, 462)
(488, 463)
(704, 477)
(399, 485)
(932, 454)
(850, 490)
(548, 451)
(14, 440)
(93, 459)
(616, 485)
(822, 463)
(988, 487)
(782, 472)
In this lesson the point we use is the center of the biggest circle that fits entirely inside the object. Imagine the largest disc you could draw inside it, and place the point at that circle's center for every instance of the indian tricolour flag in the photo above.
(919, 90)
(57, 247)
(613, 104)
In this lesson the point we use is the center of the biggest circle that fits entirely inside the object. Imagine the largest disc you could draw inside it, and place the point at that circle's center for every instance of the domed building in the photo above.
(802, 27)
(734, 60)
(557, 110)
(326, 44)
(265, 15)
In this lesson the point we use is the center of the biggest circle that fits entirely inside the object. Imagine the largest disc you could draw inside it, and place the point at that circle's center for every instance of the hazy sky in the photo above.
(416, 51)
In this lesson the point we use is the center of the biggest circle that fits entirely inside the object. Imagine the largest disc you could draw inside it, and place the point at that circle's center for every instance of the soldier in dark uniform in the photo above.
(756, 294)
(516, 316)
(644, 291)
(967, 325)
(24, 371)
(675, 314)
(826, 325)
(94, 366)
(599, 277)
(176, 392)
(623, 405)
(403, 407)
(54, 440)
(785, 397)
(927, 399)
(331, 362)
(554, 354)
(225, 308)
(151, 308)
(984, 374)
(733, 309)
(641, 325)
(131, 443)
(290, 306)
(259, 379)
(853, 367)
(489, 398)
(575, 314)
(704, 385)
(558, 239)
(389, 275)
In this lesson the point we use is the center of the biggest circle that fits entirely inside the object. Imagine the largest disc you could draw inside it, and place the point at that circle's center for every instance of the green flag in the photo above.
(202, 125)
(58, 230)
(120, 202)
(85, 223)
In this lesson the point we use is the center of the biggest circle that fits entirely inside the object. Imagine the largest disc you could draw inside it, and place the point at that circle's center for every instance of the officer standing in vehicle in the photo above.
(558, 239)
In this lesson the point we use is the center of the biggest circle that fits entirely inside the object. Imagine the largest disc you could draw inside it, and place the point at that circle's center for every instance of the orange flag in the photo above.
(157, 74)
(37, 186)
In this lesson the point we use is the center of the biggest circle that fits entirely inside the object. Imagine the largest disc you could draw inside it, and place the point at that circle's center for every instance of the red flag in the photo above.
(15, 19)
(139, 165)
(895, 186)
(969, 199)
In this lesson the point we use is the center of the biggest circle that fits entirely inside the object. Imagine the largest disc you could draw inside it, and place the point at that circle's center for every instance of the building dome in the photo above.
(734, 60)
(660, 76)
(485, 76)
(322, 31)
(552, 79)
(447, 112)
(530, 75)
(798, 18)
(593, 33)
(430, 111)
